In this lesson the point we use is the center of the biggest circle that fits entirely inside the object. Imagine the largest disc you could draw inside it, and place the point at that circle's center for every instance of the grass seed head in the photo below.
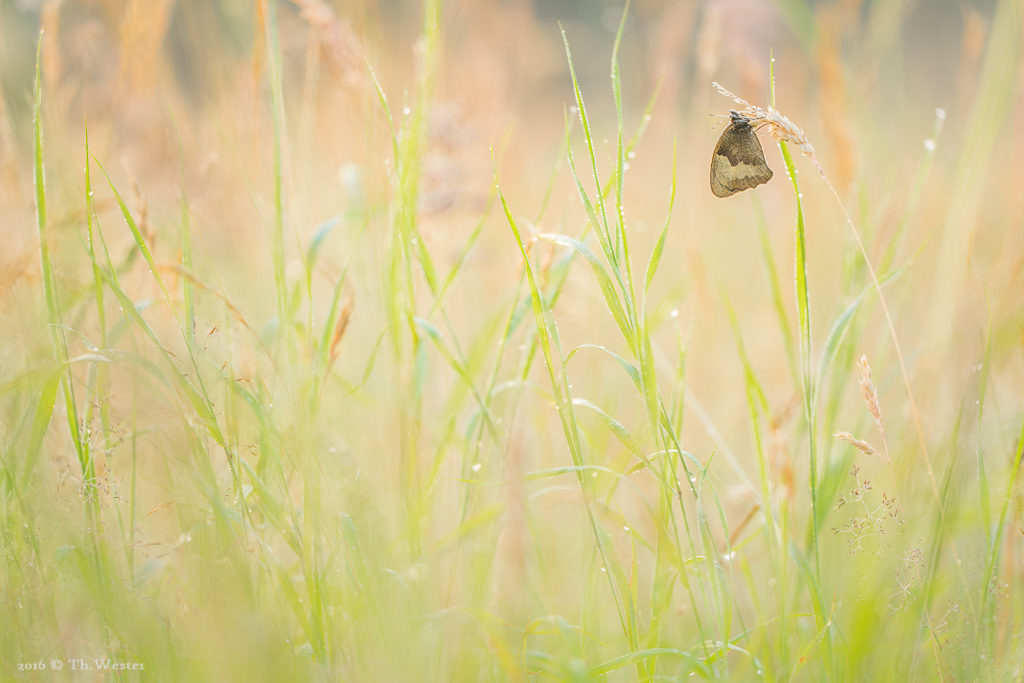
(782, 128)
(862, 446)
(869, 392)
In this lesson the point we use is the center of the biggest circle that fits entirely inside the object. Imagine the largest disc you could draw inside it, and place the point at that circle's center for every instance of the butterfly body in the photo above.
(738, 162)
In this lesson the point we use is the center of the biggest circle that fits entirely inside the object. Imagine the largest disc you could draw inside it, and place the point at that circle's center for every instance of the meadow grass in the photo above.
(336, 435)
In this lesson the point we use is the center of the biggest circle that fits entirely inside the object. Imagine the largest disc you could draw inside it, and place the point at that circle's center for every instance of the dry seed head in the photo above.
(782, 128)
(340, 44)
(862, 446)
(344, 316)
(870, 393)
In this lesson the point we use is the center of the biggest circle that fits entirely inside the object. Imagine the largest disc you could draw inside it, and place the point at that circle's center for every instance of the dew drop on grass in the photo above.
(940, 114)
(407, 111)
(674, 313)
(631, 155)
(477, 467)
(929, 145)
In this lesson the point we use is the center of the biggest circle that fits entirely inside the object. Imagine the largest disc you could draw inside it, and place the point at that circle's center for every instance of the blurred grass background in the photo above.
(447, 466)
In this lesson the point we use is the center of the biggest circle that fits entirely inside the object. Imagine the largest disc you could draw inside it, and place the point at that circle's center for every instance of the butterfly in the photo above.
(738, 162)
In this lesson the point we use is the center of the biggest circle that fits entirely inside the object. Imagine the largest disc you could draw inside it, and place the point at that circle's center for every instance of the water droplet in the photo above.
(929, 145)
(407, 111)
(477, 467)
(940, 114)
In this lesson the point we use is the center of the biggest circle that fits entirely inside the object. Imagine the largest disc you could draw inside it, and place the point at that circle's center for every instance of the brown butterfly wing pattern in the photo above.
(738, 162)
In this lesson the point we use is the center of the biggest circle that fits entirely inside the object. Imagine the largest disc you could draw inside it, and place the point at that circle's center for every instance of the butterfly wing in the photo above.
(738, 162)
